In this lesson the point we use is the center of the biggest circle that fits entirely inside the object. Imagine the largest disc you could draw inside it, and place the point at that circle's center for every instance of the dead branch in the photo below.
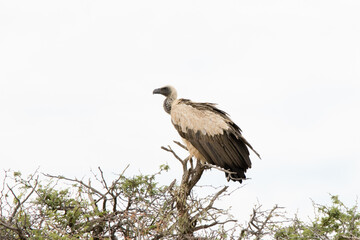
(168, 149)
(262, 223)
(213, 224)
(181, 145)
(211, 203)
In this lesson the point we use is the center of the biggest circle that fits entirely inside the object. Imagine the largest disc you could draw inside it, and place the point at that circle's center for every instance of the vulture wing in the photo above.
(213, 134)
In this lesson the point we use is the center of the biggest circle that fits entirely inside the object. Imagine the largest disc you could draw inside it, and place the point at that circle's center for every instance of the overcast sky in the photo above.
(76, 82)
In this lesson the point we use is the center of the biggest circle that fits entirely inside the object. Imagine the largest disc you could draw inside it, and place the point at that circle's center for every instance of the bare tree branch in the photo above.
(78, 181)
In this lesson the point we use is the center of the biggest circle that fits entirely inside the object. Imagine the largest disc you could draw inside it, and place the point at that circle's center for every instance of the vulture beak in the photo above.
(158, 91)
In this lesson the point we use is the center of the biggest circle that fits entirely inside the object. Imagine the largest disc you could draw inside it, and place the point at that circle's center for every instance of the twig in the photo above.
(103, 179)
(211, 203)
(213, 224)
(181, 145)
(172, 151)
(20, 203)
(75, 180)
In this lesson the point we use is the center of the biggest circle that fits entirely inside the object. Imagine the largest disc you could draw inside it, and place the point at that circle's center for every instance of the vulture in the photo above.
(209, 134)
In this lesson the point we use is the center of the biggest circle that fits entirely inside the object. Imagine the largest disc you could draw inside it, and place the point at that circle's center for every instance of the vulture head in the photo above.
(170, 93)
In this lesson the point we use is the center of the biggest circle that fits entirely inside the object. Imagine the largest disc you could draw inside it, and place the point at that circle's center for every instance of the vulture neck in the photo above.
(167, 104)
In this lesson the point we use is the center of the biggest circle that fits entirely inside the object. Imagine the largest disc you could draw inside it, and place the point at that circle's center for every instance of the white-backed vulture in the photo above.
(209, 134)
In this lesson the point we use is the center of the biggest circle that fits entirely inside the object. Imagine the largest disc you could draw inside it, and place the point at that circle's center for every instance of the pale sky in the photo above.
(76, 82)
